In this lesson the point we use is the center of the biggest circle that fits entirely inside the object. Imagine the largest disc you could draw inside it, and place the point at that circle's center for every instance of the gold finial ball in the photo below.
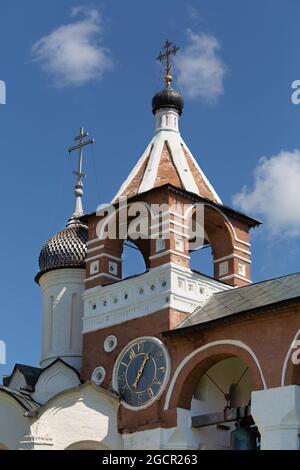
(168, 79)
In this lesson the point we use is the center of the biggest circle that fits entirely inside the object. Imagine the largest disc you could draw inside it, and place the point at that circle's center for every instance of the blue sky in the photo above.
(244, 112)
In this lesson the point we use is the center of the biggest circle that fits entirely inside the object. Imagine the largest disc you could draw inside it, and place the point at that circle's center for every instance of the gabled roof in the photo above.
(226, 304)
(31, 374)
(109, 392)
(23, 399)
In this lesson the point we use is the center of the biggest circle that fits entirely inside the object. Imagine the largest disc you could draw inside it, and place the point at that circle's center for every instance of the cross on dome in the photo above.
(166, 57)
(78, 210)
(167, 158)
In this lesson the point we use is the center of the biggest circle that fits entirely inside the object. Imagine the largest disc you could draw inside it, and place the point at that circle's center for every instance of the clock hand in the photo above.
(140, 372)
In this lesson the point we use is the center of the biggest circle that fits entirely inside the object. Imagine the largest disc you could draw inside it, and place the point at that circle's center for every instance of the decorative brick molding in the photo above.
(168, 286)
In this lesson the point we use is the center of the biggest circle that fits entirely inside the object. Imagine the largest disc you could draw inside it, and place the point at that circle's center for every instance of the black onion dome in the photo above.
(167, 98)
(66, 249)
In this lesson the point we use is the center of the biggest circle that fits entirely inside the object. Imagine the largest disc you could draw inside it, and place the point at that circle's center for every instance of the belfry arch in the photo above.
(189, 372)
(228, 240)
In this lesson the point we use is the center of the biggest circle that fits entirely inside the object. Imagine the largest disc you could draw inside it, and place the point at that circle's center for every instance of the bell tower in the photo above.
(167, 207)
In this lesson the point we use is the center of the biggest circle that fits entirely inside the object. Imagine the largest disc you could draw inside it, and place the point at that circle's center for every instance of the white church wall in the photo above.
(53, 380)
(13, 423)
(182, 437)
(84, 414)
(87, 445)
(62, 316)
(276, 413)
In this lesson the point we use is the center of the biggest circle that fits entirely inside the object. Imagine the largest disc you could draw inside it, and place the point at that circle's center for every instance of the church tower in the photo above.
(61, 278)
(165, 207)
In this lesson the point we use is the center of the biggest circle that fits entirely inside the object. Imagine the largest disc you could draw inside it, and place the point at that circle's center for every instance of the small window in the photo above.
(94, 267)
(160, 244)
(179, 243)
(110, 343)
(113, 268)
(223, 268)
(242, 269)
(98, 375)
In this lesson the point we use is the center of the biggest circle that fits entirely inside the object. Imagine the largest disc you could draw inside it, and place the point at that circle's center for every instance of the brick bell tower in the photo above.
(165, 207)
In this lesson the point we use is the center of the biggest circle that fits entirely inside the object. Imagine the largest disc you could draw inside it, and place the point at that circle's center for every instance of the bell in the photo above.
(243, 438)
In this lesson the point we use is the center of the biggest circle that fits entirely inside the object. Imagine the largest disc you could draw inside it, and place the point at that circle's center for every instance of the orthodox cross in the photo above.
(165, 57)
(78, 211)
(79, 147)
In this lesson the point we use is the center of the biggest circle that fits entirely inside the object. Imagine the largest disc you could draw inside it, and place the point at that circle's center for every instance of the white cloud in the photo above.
(276, 193)
(73, 54)
(200, 69)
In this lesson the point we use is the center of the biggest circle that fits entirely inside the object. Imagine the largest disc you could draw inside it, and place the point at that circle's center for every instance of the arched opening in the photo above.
(133, 261)
(221, 401)
(210, 238)
(87, 445)
(202, 260)
(231, 365)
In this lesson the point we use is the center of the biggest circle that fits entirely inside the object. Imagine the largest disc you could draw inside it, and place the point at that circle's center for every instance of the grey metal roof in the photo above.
(31, 374)
(23, 399)
(66, 249)
(233, 301)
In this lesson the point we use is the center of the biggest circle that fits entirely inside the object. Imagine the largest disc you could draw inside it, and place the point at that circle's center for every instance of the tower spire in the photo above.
(78, 193)
(166, 58)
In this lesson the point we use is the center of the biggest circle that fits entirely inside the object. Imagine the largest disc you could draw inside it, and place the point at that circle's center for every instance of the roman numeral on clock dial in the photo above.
(141, 371)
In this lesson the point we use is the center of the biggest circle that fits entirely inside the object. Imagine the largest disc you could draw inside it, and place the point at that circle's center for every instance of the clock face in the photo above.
(142, 371)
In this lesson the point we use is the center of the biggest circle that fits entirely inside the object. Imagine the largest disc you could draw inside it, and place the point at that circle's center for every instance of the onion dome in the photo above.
(167, 98)
(66, 249)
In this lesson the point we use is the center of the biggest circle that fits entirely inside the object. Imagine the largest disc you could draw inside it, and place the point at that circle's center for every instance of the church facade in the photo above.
(171, 358)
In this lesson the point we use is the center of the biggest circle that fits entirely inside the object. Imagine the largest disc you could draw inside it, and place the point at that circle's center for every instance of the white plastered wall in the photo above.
(62, 316)
(13, 423)
(53, 380)
(83, 415)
